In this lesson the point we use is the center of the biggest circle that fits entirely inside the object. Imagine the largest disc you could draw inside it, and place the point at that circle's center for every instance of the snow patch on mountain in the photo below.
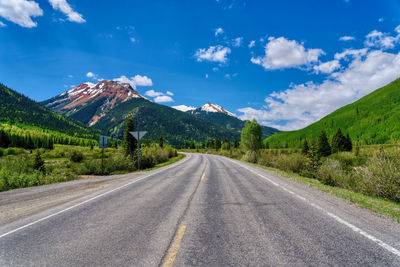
(184, 108)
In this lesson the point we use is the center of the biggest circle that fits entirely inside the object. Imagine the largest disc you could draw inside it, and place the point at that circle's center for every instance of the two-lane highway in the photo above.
(203, 211)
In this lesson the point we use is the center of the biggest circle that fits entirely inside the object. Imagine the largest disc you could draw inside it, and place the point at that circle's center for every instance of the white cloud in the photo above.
(347, 38)
(133, 39)
(160, 97)
(65, 8)
(124, 79)
(252, 43)
(327, 67)
(351, 52)
(303, 104)
(206, 75)
(219, 31)
(2, 24)
(152, 93)
(381, 19)
(237, 42)
(137, 80)
(163, 99)
(90, 74)
(213, 54)
(215, 69)
(382, 40)
(142, 80)
(20, 12)
(227, 76)
(282, 53)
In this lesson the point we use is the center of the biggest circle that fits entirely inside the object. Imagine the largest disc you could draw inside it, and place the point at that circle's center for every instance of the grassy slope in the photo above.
(374, 119)
(18, 109)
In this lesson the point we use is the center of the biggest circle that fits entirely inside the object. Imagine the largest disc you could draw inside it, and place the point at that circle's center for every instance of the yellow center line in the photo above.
(203, 176)
(174, 249)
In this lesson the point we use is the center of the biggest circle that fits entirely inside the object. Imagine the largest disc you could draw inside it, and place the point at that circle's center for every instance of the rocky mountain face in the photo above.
(88, 102)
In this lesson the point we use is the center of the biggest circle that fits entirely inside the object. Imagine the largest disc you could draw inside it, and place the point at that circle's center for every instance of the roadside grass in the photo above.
(65, 163)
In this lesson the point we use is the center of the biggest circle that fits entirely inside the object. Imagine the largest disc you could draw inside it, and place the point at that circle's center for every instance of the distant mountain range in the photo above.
(106, 105)
(218, 115)
(373, 119)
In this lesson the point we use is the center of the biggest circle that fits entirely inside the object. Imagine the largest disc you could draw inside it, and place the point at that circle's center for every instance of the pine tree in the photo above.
(161, 141)
(130, 143)
(38, 162)
(338, 141)
(349, 144)
(305, 147)
(314, 156)
(324, 149)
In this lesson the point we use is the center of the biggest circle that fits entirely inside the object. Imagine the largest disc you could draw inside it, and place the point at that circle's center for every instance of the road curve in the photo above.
(205, 210)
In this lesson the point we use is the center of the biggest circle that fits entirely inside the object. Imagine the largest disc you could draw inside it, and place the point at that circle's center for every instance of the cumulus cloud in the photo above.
(237, 42)
(142, 80)
(152, 93)
(347, 38)
(65, 8)
(90, 74)
(20, 12)
(137, 80)
(282, 53)
(163, 99)
(2, 24)
(382, 40)
(327, 67)
(303, 104)
(213, 54)
(160, 97)
(219, 31)
(252, 43)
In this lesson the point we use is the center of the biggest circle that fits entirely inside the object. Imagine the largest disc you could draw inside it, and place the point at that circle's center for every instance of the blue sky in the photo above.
(307, 58)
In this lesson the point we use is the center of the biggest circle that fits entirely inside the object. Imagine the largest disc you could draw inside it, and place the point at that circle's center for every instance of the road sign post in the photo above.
(138, 135)
(102, 146)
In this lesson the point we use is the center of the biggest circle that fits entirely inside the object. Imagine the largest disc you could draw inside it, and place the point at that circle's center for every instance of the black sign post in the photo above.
(102, 146)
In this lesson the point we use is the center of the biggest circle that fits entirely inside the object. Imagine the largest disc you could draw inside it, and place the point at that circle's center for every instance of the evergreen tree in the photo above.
(251, 136)
(38, 162)
(305, 147)
(349, 144)
(161, 141)
(313, 156)
(130, 143)
(217, 143)
(338, 141)
(324, 149)
(192, 145)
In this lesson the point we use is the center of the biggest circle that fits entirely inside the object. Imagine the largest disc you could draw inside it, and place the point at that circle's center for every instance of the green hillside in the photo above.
(17, 109)
(373, 119)
(229, 122)
(175, 126)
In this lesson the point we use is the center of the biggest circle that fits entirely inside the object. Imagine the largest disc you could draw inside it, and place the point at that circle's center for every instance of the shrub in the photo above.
(250, 156)
(293, 163)
(382, 175)
(76, 156)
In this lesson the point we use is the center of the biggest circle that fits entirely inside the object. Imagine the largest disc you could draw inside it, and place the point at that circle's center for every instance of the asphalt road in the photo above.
(205, 210)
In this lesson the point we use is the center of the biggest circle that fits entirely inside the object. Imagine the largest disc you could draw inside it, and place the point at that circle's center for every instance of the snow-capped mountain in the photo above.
(207, 107)
(92, 100)
(217, 115)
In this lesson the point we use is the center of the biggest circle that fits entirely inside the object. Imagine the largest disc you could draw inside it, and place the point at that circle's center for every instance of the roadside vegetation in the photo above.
(22, 167)
(368, 175)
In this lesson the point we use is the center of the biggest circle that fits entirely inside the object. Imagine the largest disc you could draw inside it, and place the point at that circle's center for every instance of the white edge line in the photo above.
(338, 219)
(87, 200)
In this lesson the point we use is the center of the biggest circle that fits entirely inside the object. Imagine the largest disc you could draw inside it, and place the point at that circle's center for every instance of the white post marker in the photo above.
(138, 135)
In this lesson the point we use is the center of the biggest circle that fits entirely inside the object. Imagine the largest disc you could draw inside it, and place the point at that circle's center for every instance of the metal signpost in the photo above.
(102, 146)
(138, 135)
